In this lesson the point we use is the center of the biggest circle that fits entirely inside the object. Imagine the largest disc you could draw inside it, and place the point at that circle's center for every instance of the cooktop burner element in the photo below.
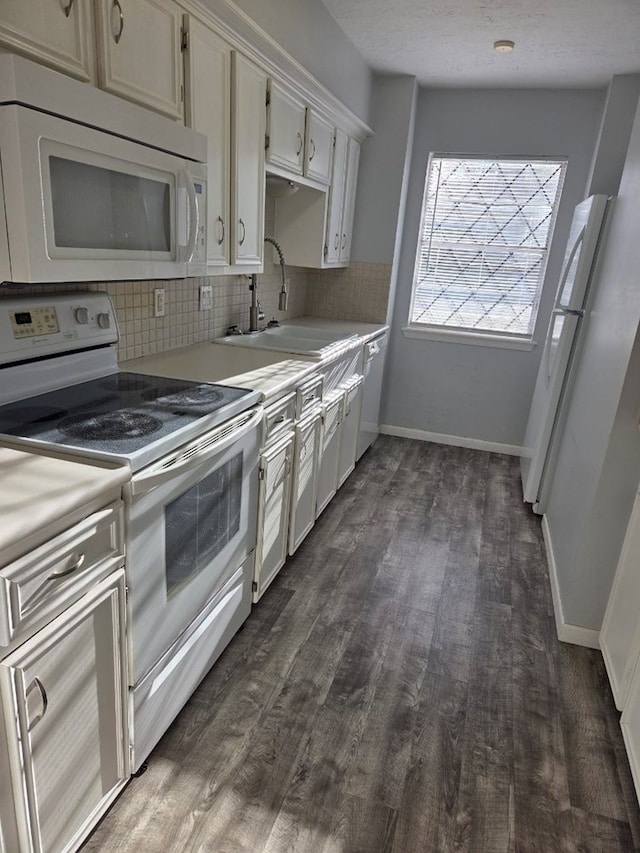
(200, 397)
(127, 415)
(110, 425)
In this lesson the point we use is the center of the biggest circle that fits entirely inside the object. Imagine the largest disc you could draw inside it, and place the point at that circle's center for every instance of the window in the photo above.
(484, 237)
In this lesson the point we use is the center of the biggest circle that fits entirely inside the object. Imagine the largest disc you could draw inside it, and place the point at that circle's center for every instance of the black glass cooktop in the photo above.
(120, 413)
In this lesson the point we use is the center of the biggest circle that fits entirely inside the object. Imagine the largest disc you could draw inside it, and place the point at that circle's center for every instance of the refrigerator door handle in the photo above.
(574, 312)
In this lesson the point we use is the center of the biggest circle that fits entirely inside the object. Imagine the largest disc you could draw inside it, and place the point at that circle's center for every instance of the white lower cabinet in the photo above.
(64, 706)
(305, 474)
(620, 633)
(350, 428)
(273, 513)
(332, 410)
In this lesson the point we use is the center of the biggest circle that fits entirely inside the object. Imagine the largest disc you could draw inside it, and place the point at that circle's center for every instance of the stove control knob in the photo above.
(104, 321)
(82, 316)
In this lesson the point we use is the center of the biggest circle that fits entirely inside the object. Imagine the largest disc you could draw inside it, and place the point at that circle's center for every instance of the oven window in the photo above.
(201, 522)
(99, 208)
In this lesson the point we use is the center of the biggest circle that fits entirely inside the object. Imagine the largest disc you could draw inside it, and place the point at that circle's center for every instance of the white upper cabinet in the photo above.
(314, 227)
(336, 198)
(58, 33)
(208, 109)
(139, 52)
(247, 162)
(318, 147)
(349, 199)
(286, 116)
(299, 140)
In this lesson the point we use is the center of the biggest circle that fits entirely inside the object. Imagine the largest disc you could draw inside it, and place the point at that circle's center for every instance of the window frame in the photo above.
(466, 334)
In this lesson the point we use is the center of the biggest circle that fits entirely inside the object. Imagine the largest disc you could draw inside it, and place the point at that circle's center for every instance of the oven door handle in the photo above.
(141, 484)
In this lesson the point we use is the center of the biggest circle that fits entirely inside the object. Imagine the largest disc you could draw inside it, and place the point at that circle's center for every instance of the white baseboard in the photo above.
(566, 632)
(455, 440)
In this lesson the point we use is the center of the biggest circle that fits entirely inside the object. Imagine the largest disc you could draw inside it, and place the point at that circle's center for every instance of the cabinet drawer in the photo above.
(309, 394)
(278, 418)
(46, 580)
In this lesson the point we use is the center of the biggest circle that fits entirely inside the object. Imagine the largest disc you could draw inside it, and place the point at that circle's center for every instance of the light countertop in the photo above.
(366, 331)
(271, 373)
(42, 495)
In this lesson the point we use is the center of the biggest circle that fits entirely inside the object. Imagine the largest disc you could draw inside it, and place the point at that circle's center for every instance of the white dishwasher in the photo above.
(373, 371)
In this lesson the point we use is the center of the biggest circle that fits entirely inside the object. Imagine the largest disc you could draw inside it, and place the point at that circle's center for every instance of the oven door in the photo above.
(192, 523)
(83, 205)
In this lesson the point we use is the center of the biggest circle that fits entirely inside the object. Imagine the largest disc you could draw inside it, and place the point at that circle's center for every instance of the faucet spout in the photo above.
(283, 298)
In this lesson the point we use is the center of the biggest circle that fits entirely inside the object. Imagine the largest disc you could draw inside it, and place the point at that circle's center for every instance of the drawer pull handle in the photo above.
(220, 223)
(36, 683)
(313, 150)
(308, 399)
(244, 232)
(300, 144)
(70, 570)
(280, 420)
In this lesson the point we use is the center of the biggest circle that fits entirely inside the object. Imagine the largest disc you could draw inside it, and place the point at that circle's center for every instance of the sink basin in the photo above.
(292, 331)
(282, 339)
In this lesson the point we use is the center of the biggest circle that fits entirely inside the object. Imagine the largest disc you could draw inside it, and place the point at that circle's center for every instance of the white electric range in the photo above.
(191, 503)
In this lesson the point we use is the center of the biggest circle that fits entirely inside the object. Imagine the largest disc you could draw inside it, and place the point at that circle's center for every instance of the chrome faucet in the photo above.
(255, 312)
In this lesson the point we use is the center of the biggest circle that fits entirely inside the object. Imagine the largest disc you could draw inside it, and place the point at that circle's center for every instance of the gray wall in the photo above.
(306, 30)
(478, 392)
(598, 466)
(383, 163)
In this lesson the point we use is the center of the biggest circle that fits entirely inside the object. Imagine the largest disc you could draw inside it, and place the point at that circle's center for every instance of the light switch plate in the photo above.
(206, 297)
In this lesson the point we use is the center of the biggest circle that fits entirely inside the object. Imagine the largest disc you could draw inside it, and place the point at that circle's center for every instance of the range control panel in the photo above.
(35, 326)
(38, 321)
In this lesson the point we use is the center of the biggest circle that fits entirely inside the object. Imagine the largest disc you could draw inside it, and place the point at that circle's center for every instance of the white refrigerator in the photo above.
(562, 344)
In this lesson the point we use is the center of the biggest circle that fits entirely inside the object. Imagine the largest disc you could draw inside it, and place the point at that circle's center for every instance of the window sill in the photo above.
(479, 339)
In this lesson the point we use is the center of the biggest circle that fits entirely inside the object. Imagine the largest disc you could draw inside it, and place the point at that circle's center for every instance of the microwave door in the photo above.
(83, 205)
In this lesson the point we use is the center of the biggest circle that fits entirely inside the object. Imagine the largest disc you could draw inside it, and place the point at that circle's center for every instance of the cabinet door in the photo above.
(349, 432)
(349, 203)
(336, 192)
(318, 147)
(620, 634)
(330, 449)
(139, 54)
(64, 702)
(286, 129)
(305, 473)
(58, 33)
(247, 172)
(273, 513)
(630, 725)
(208, 109)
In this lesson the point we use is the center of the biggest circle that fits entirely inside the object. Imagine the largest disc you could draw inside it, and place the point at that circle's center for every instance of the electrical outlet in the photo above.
(206, 297)
(159, 304)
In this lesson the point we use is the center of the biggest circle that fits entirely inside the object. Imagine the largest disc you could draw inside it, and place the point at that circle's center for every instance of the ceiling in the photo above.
(444, 43)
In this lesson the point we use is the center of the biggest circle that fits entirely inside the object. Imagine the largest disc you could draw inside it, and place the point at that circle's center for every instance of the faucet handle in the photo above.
(261, 314)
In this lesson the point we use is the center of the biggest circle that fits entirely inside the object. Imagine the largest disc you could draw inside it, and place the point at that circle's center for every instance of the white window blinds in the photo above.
(485, 232)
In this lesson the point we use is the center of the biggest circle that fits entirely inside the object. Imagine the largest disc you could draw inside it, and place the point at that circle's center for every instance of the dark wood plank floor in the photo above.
(398, 688)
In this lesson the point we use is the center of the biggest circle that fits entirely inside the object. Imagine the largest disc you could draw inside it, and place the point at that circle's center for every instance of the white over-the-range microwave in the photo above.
(93, 188)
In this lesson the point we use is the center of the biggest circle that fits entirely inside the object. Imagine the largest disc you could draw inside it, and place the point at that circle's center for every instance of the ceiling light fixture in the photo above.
(504, 46)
